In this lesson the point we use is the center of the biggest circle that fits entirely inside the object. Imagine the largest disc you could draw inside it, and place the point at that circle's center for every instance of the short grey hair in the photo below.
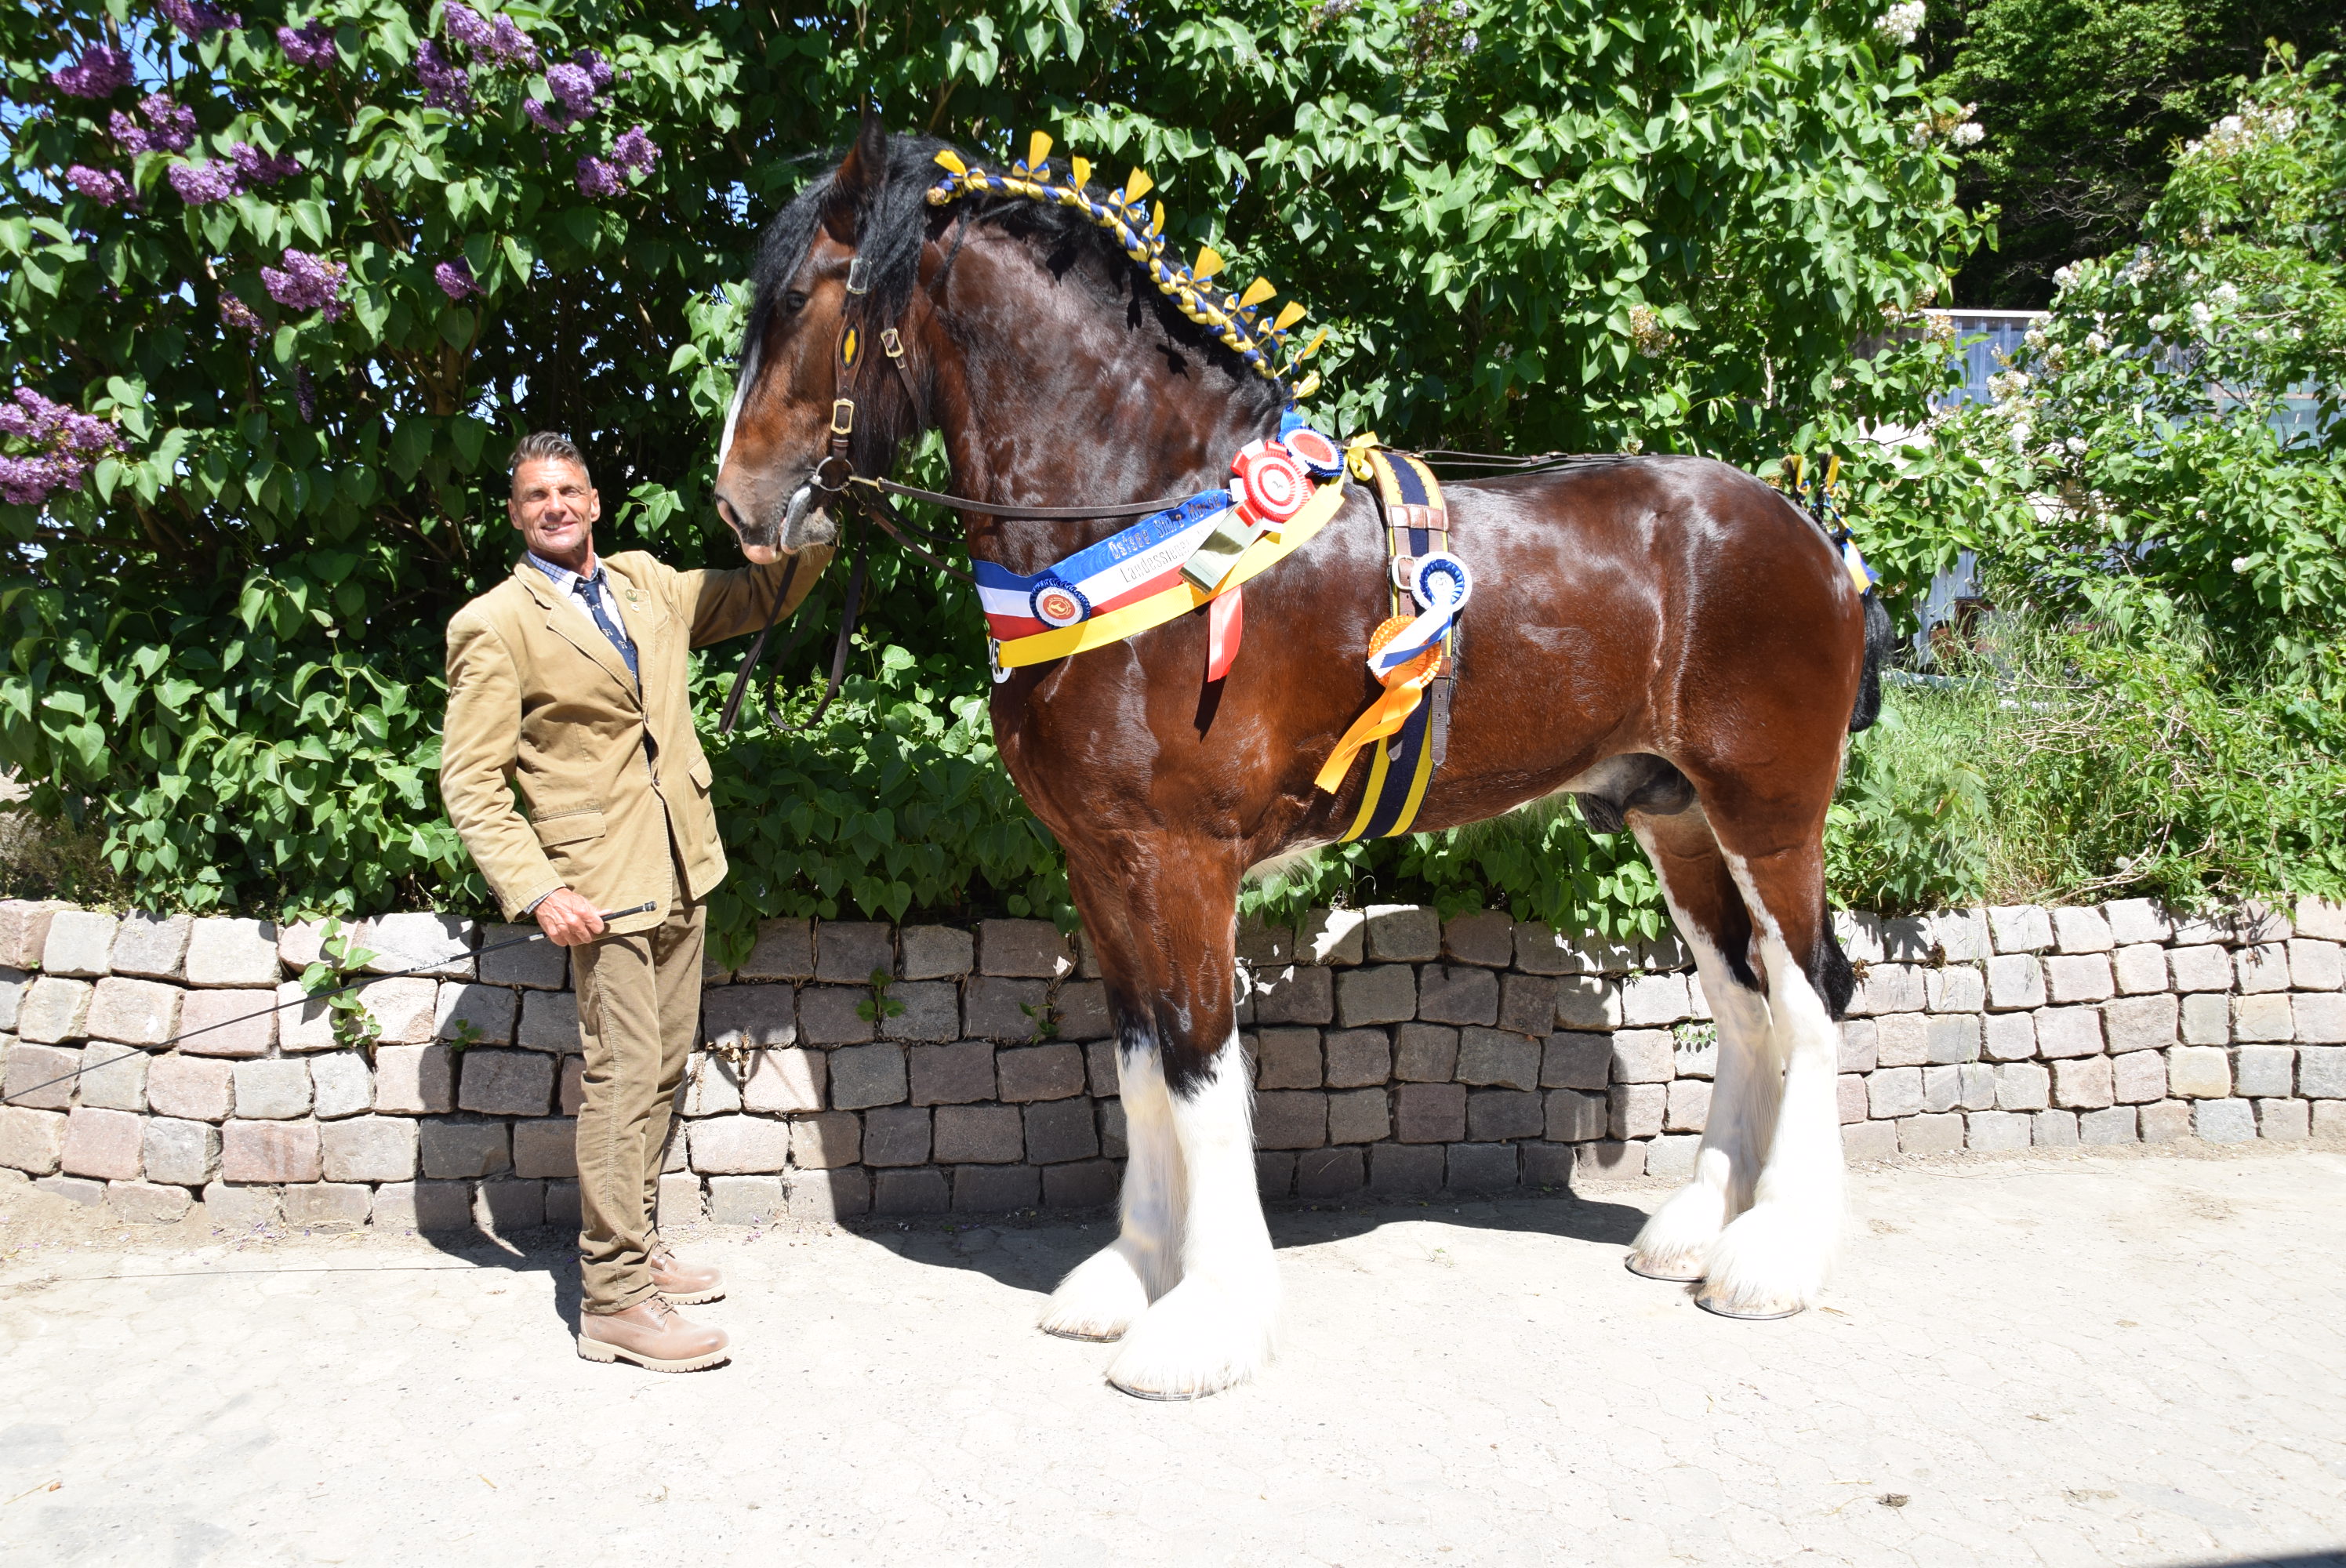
(540, 445)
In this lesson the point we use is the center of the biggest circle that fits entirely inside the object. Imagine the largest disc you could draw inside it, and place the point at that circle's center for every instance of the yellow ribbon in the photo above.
(1061, 642)
(1405, 688)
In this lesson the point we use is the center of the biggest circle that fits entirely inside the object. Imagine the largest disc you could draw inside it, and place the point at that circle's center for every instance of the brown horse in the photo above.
(1666, 637)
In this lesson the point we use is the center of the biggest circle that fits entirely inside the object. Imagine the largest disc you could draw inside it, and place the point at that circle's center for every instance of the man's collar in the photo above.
(563, 576)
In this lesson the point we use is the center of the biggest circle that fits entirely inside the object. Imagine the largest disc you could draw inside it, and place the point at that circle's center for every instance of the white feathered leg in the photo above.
(1103, 1294)
(1215, 1327)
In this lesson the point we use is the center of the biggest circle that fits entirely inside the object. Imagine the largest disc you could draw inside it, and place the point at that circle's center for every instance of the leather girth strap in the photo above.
(1417, 525)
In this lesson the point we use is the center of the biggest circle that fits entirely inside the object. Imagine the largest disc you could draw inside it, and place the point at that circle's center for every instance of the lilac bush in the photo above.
(307, 284)
(67, 444)
(635, 151)
(312, 46)
(238, 317)
(597, 179)
(455, 279)
(197, 17)
(171, 126)
(101, 72)
(202, 184)
(102, 185)
(446, 85)
(255, 168)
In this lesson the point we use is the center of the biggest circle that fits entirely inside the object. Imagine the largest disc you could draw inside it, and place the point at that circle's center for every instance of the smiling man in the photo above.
(567, 682)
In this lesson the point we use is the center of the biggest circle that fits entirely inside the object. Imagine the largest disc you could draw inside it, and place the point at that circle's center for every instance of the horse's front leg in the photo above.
(1111, 1288)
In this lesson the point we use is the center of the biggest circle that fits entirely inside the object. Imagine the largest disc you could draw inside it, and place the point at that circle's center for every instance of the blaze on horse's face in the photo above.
(777, 433)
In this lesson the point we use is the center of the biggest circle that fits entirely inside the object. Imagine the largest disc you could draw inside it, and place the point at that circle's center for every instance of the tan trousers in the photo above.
(638, 1010)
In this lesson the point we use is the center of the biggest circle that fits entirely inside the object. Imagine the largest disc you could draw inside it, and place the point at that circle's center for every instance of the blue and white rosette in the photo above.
(1440, 584)
(1058, 602)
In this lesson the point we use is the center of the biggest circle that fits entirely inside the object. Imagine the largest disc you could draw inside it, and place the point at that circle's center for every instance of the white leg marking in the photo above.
(1675, 1242)
(1102, 1296)
(1774, 1258)
(1215, 1327)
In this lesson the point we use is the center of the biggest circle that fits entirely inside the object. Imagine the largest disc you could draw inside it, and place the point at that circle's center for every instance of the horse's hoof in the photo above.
(1199, 1338)
(1684, 1273)
(1748, 1317)
(1098, 1299)
(1083, 1337)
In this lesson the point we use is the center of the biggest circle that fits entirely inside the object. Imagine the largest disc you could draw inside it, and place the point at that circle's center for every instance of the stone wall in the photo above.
(1393, 1053)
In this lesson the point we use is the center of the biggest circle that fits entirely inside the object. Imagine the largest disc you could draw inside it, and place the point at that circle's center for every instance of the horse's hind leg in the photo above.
(1709, 909)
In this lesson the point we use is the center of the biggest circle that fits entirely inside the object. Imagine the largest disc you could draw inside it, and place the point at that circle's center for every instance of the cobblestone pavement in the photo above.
(2061, 1359)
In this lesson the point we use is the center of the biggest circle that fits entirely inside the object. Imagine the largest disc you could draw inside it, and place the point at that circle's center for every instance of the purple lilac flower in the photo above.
(545, 116)
(463, 26)
(597, 179)
(200, 184)
(237, 315)
(312, 46)
(455, 279)
(102, 185)
(101, 72)
(197, 17)
(28, 481)
(255, 168)
(635, 151)
(513, 45)
(73, 441)
(574, 86)
(597, 69)
(445, 84)
(173, 127)
(307, 284)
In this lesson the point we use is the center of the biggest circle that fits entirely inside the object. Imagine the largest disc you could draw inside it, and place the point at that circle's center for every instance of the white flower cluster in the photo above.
(1958, 127)
(1901, 23)
(2236, 134)
(1648, 334)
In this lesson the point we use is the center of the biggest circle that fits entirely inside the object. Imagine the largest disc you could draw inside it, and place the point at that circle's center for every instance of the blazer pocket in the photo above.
(569, 826)
(699, 773)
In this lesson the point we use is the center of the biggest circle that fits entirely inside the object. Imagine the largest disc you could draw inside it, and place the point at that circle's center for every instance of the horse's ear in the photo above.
(856, 183)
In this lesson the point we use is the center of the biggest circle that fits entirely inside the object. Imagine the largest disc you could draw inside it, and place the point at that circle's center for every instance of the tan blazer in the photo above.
(539, 697)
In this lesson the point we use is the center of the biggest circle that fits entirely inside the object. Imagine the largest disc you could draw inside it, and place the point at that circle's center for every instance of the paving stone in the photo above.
(1268, 945)
(745, 1017)
(1648, 1001)
(74, 1189)
(80, 943)
(535, 966)
(1585, 1002)
(562, 1206)
(103, 1145)
(438, 945)
(1040, 1073)
(847, 951)
(1636, 1110)
(1483, 1168)
(1888, 988)
(746, 1200)
(1608, 1159)
(1286, 1058)
(2203, 968)
(780, 1082)
(2283, 1120)
(2224, 1121)
(2081, 977)
(1430, 1112)
(2023, 1086)
(2138, 1078)
(192, 1088)
(546, 1148)
(1406, 1170)
(370, 1149)
(866, 1075)
(1061, 1130)
(2116, 1124)
(2053, 1130)
(932, 1011)
(1958, 988)
(952, 1075)
(153, 946)
(828, 1197)
(1338, 937)
(340, 1085)
(1849, 1095)
(1893, 1092)
(1111, 1126)
(39, 1077)
(2321, 1073)
(505, 1083)
(1496, 1114)
(2166, 1121)
(1542, 949)
(1358, 1117)
(1689, 1108)
(2137, 921)
(2140, 970)
(1427, 1053)
(1100, 1069)
(241, 1208)
(226, 954)
(1527, 1003)
(2078, 928)
(1576, 1062)
(1387, 993)
(680, 1202)
(2328, 1119)
(414, 1080)
(899, 1135)
(1406, 933)
(1023, 948)
(1959, 936)
(271, 1152)
(1860, 1045)
(1290, 1119)
(2020, 928)
(2008, 1036)
(1493, 1057)
(570, 1093)
(2264, 1072)
(1644, 1056)
(978, 1134)
(2140, 1022)
(738, 1145)
(923, 1191)
(1330, 1173)
(1356, 1058)
(54, 1010)
(1694, 1052)
(2321, 1018)
(1485, 937)
(2082, 1083)
(1995, 1130)
(1942, 1089)
(13, 984)
(2068, 1032)
(2262, 967)
(1901, 1040)
(2315, 965)
(1573, 1117)
(830, 1016)
(2270, 1016)
(2207, 1020)
(113, 1078)
(462, 1150)
(2014, 982)
(935, 952)
(405, 1011)
(1005, 1010)
(2315, 918)
(1955, 1038)
(995, 1189)
(1931, 1134)
(1667, 951)
(490, 1010)
(2199, 1073)
(25, 930)
(273, 1091)
(1859, 931)
(148, 1203)
(785, 950)
(302, 1024)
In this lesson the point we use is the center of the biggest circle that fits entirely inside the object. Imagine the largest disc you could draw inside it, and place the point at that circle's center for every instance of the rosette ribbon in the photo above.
(1440, 584)
(1406, 687)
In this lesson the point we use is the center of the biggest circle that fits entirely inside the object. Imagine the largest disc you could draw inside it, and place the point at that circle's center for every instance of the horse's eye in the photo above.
(794, 301)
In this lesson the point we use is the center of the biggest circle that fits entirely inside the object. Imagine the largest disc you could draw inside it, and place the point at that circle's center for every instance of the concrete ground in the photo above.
(2073, 1358)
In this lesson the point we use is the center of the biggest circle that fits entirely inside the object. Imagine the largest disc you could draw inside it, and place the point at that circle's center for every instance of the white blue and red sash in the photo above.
(1143, 559)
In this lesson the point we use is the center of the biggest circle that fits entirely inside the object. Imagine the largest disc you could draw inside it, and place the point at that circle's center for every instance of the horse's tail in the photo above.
(1879, 638)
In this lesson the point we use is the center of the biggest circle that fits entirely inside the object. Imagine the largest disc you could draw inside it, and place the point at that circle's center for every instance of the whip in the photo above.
(644, 908)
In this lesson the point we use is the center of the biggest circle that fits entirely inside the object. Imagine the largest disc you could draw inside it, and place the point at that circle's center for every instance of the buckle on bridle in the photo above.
(842, 417)
(890, 344)
(822, 479)
(859, 276)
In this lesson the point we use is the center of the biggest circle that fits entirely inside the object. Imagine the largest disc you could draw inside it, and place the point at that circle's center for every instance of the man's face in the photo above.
(556, 510)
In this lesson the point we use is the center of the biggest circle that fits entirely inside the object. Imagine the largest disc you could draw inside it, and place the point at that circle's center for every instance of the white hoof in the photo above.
(1099, 1299)
(1770, 1263)
(1202, 1337)
(1676, 1243)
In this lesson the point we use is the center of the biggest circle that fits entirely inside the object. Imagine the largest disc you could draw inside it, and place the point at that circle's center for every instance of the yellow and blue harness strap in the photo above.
(1417, 525)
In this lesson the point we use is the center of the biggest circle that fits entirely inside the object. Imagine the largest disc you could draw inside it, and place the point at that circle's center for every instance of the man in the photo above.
(568, 679)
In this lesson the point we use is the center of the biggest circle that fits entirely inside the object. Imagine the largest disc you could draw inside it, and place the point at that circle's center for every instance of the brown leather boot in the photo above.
(684, 1284)
(653, 1334)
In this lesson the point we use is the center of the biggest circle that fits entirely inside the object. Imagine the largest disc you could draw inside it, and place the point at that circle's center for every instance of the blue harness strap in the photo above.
(1417, 525)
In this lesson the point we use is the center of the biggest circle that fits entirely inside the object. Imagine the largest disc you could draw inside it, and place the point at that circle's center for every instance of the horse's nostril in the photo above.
(725, 510)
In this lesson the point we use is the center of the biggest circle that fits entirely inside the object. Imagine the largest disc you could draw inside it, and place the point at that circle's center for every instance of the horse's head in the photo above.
(774, 489)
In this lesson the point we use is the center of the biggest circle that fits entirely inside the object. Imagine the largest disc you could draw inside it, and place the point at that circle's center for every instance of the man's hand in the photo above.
(567, 918)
